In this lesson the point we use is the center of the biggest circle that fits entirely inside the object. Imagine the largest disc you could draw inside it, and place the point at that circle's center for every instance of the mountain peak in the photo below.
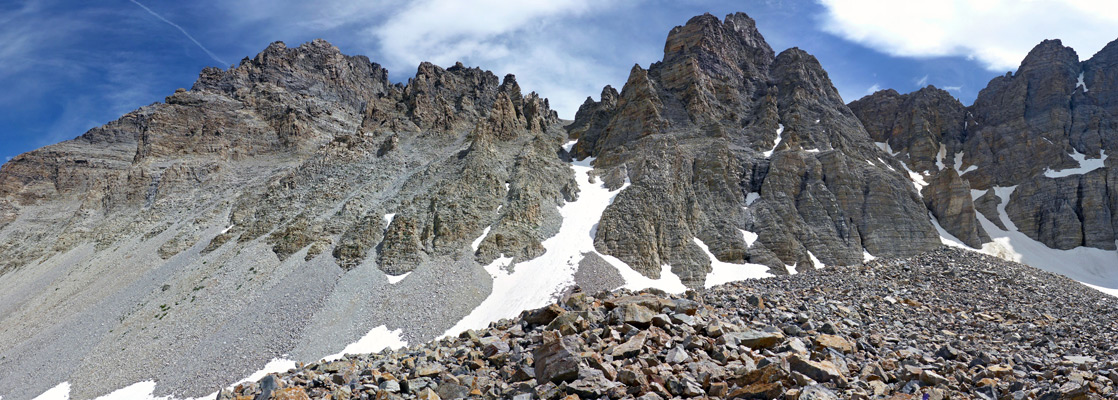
(735, 41)
(1050, 53)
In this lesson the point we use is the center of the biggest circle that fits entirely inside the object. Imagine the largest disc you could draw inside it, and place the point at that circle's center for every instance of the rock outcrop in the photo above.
(1044, 130)
(725, 136)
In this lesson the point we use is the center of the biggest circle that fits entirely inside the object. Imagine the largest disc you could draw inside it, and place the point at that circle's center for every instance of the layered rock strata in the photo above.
(724, 136)
(1046, 130)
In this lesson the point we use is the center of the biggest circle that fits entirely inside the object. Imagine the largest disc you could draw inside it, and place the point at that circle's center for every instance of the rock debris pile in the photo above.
(944, 324)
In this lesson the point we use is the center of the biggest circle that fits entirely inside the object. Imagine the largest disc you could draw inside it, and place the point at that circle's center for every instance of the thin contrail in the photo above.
(192, 39)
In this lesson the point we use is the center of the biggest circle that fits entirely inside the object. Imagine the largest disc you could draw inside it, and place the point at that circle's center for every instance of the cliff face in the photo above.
(724, 136)
(1046, 131)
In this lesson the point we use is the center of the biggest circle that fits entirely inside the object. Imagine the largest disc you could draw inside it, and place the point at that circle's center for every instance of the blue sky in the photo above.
(70, 65)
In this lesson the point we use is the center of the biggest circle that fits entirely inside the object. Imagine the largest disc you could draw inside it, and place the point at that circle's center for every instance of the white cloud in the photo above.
(559, 49)
(542, 42)
(302, 17)
(997, 33)
(24, 42)
(922, 81)
(873, 89)
(953, 88)
(188, 36)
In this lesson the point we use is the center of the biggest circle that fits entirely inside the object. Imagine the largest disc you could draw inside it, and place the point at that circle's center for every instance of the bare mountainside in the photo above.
(286, 207)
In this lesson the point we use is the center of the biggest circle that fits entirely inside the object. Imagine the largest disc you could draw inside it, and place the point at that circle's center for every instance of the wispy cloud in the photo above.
(536, 40)
(922, 81)
(997, 33)
(873, 89)
(24, 42)
(192, 39)
(953, 88)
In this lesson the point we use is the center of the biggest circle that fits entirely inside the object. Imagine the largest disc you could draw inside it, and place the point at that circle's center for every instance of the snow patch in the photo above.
(1112, 292)
(779, 131)
(866, 256)
(377, 339)
(394, 279)
(276, 365)
(959, 164)
(668, 282)
(1080, 84)
(884, 146)
(751, 198)
(815, 261)
(570, 145)
(138, 390)
(724, 272)
(946, 237)
(538, 282)
(791, 268)
(886, 164)
(388, 218)
(917, 181)
(59, 392)
(1004, 193)
(940, 156)
(1090, 266)
(477, 242)
(222, 233)
(812, 150)
(1085, 165)
(749, 237)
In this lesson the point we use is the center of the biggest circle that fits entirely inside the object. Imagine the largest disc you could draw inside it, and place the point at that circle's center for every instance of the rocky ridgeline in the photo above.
(1022, 125)
(944, 324)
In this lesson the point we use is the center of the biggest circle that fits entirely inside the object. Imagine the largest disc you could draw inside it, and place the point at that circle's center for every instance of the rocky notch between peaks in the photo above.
(947, 324)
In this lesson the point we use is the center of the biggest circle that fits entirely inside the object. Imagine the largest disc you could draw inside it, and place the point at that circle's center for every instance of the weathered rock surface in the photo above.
(721, 120)
(1048, 116)
(948, 197)
(916, 126)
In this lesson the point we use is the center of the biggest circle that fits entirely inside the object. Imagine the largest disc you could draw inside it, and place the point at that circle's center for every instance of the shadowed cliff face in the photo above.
(1054, 114)
(722, 120)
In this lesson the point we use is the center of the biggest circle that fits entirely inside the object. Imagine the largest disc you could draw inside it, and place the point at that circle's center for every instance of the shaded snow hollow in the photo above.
(1090, 266)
